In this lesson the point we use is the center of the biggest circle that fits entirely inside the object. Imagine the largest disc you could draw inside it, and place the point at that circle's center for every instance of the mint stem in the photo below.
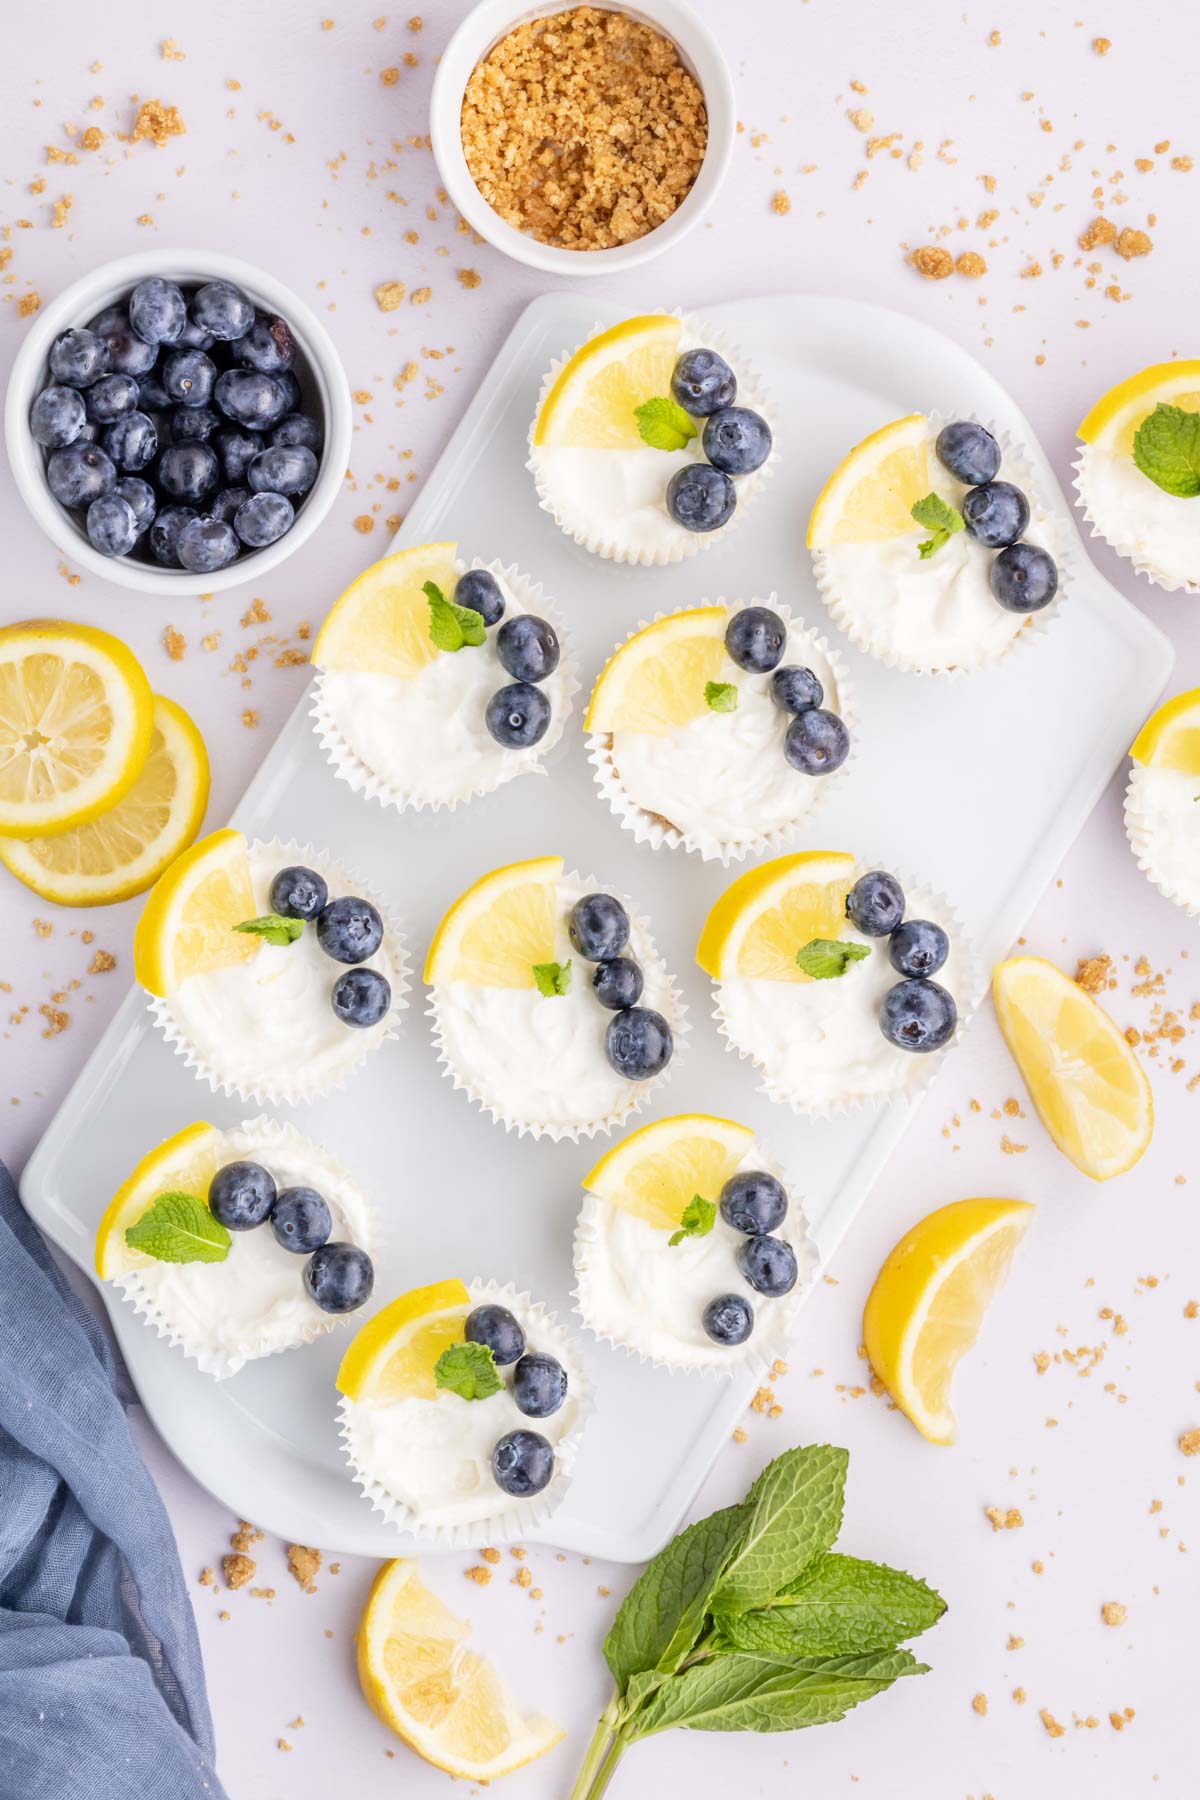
(608, 1768)
(597, 1750)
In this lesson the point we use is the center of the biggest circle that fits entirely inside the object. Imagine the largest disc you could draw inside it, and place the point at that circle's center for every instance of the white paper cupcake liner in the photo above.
(350, 767)
(1033, 628)
(675, 1013)
(221, 1363)
(1141, 841)
(750, 393)
(270, 1091)
(653, 829)
(1126, 547)
(513, 1519)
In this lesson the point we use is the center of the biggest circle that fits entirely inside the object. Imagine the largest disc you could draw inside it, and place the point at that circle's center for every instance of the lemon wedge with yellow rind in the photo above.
(655, 682)
(394, 1355)
(1113, 422)
(593, 404)
(767, 915)
(187, 924)
(380, 625)
(655, 1172)
(185, 1163)
(870, 495)
(1170, 738)
(494, 933)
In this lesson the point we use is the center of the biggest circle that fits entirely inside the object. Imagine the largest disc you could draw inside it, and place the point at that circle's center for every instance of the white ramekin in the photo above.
(318, 367)
(480, 31)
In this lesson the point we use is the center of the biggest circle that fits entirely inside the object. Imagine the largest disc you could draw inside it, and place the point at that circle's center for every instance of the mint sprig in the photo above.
(697, 1220)
(721, 696)
(1166, 448)
(942, 519)
(552, 978)
(468, 1370)
(824, 959)
(178, 1228)
(452, 627)
(663, 423)
(273, 927)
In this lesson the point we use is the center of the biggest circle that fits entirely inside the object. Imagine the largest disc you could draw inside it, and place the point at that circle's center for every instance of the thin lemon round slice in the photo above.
(394, 1354)
(656, 681)
(1170, 738)
(655, 1172)
(767, 915)
(593, 404)
(122, 851)
(870, 495)
(187, 923)
(1113, 421)
(494, 933)
(444, 1700)
(185, 1163)
(1090, 1090)
(380, 625)
(76, 716)
(928, 1303)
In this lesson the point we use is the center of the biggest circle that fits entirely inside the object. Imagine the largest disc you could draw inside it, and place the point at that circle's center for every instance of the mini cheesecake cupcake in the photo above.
(689, 1249)
(440, 681)
(933, 549)
(551, 1007)
(1136, 474)
(462, 1410)
(1162, 801)
(650, 440)
(840, 986)
(717, 728)
(271, 969)
(236, 1243)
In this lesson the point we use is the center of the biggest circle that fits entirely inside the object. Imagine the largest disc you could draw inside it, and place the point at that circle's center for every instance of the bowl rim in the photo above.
(481, 30)
(81, 300)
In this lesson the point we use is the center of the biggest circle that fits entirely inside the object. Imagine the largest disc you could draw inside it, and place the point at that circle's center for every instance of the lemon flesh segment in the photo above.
(185, 1163)
(929, 1301)
(494, 933)
(444, 1700)
(655, 683)
(656, 1171)
(870, 495)
(1090, 1091)
(1170, 738)
(187, 924)
(1113, 422)
(76, 716)
(767, 915)
(594, 402)
(394, 1354)
(380, 625)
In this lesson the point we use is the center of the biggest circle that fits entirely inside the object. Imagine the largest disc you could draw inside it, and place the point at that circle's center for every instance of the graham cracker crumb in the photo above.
(92, 138)
(980, 1704)
(1012, 1520)
(1101, 45)
(470, 278)
(478, 1574)
(239, 1569)
(1189, 1442)
(175, 644)
(283, 1744)
(1020, 1696)
(245, 1535)
(304, 1564)
(933, 262)
(421, 296)
(364, 523)
(1053, 1728)
(1095, 974)
(970, 264)
(156, 122)
(1113, 1612)
(1133, 243)
(388, 295)
(739, 1434)
(208, 1578)
(171, 52)
(102, 962)
(781, 203)
(490, 1556)
(250, 719)
(28, 304)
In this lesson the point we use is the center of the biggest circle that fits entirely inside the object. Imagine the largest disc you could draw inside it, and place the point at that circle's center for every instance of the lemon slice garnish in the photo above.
(394, 1354)
(655, 682)
(768, 914)
(594, 402)
(870, 495)
(1113, 421)
(185, 1163)
(1170, 738)
(380, 625)
(655, 1172)
(187, 924)
(494, 933)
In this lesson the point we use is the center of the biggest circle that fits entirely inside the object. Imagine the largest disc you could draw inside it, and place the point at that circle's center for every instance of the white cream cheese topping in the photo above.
(1163, 808)
(1161, 532)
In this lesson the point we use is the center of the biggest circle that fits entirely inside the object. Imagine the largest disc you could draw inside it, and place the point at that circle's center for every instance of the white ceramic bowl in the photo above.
(480, 31)
(317, 369)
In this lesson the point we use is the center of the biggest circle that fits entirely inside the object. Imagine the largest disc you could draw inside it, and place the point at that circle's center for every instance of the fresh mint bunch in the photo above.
(1166, 448)
(939, 517)
(721, 696)
(452, 627)
(273, 927)
(178, 1228)
(698, 1218)
(824, 959)
(663, 423)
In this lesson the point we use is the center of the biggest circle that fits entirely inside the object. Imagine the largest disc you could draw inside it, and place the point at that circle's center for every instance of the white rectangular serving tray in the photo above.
(977, 785)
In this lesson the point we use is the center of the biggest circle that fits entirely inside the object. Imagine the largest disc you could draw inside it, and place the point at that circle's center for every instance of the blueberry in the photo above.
(56, 417)
(268, 346)
(1023, 578)
(89, 433)
(128, 354)
(152, 395)
(110, 397)
(301, 1220)
(796, 689)
(995, 514)
(349, 929)
(527, 647)
(228, 503)
(598, 927)
(496, 1327)
(164, 534)
(140, 496)
(918, 947)
(298, 893)
(188, 472)
(287, 469)
(480, 590)
(638, 1043)
(339, 1277)
(79, 357)
(816, 742)
(193, 424)
(522, 1463)
(971, 454)
(753, 1202)
(262, 519)
(729, 1319)
(237, 450)
(249, 398)
(361, 997)
(539, 1384)
(80, 473)
(702, 382)
(205, 545)
(222, 309)
(194, 337)
(288, 389)
(875, 904)
(769, 1265)
(131, 441)
(518, 716)
(700, 498)
(157, 310)
(188, 376)
(297, 428)
(112, 526)
(737, 440)
(240, 1195)
(755, 639)
(918, 1015)
(618, 983)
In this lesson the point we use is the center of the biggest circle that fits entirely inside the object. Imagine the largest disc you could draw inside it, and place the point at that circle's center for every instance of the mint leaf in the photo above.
(274, 927)
(1166, 448)
(450, 626)
(662, 1615)
(721, 696)
(744, 1692)
(824, 959)
(178, 1228)
(663, 423)
(941, 518)
(468, 1370)
(552, 978)
(839, 1606)
(795, 1513)
(699, 1217)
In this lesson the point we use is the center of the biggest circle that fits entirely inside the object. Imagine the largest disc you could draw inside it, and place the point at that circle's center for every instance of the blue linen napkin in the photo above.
(101, 1684)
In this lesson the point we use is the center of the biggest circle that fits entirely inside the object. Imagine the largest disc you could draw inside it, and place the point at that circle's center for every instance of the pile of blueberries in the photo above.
(174, 426)
(517, 715)
(349, 930)
(337, 1277)
(1023, 578)
(522, 1461)
(816, 742)
(638, 1042)
(918, 1013)
(755, 1204)
(736, 441)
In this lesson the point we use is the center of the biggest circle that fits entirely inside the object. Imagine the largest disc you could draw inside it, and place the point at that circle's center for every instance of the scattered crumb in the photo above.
(933, 262)
(175, 644)
(1053, 1728)
(156, 122)
(1112, 1612)
(1189, 1442)
(239, 1569)
(980, 1704)
(304, 1564)
(781, 203)
(388, 295)
(470, 278)
(102, 962)
(1101, 45)
(250, 718)
(1011, 1520)
(478, 1574)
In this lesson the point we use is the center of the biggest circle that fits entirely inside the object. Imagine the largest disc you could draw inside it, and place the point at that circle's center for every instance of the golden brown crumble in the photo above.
(490, 1556)
(1095, 974)
(174, 643)
(421, 296)
(388, 295)
(250, 718)
(239, 1569)
(1133, 243)
(1100, 231)
(1189, 1442)
(971, 264)
(171, 51)
(1101, 45)
(102, 962)
(28, 304)
(980, 1704)
(470, 278)
(1112, 1612)
(781, 203)
(156, 122)
(304, 1564)
(478, 1574)
(364, 523)
(1053, 1728)
(932, 261)
(1011, 1520)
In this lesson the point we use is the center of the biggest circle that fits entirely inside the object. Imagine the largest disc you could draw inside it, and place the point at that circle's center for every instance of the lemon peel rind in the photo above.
(1126, 547)
(1141, 842)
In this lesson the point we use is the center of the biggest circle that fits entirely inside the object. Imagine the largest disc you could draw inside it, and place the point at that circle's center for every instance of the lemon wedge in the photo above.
(76, 716)
(1170, 738)
(870, 495)
(187, 923)
(1113, 421)
(494, 933)
(380, 625)
(394, 1354)
(929, 1299)
(593, 403)
(185, 1163)
(443, 1699)
(655, 682)
(655, 1172)
(766, 915)
(1090, 1090)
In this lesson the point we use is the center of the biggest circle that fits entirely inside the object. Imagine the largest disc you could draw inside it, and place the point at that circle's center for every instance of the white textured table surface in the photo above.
(299, 154)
